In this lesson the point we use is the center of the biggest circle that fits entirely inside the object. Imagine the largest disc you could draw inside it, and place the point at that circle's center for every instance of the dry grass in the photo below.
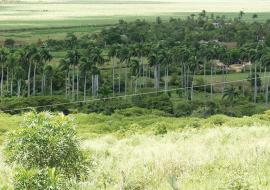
(212, 158)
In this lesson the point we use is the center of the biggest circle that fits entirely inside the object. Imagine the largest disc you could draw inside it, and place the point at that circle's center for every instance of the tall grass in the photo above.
(210, 158)
(216, 153)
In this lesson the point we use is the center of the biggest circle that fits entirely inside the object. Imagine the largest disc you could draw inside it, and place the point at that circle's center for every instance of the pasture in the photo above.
(127, 151)
(29, 21)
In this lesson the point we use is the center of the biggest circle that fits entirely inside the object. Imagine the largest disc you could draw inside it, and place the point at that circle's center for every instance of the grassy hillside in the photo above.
(132, 149)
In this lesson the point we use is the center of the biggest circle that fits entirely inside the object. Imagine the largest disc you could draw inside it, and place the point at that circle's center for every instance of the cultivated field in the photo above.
(81, 17)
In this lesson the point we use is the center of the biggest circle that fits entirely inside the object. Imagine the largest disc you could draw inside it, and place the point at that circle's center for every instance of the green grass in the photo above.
(214, 153)
(28, 22)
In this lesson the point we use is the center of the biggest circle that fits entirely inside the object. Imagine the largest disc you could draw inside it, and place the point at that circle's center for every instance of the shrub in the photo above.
(217, 120)
(183, 109)
(160, 128)
(35, 179)
(107, 107)
(155, 101)
(40, 102)
(135, 111)
(46, 141)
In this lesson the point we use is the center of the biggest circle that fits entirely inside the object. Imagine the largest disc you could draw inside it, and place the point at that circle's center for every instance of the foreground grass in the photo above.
(126, 151)
(212, 158)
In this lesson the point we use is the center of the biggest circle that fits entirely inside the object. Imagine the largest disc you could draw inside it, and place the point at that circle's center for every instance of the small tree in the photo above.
(46, 141)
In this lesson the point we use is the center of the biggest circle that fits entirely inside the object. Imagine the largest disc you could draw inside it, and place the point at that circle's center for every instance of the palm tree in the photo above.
(255, 55)
(19, 74)
(65, 66)
(154, 62)
(71, 41)
(96, 57)
(3, 59)
(193, 65)
(49, 71)
(166, 61)
(230, 94)
(184, 55)
(125, 54)
(204, 55)
(12, 60)
(28, 56)
(73, 58)
(113, 51)
(241, 14)
(45, 58)
(265, 60)
(85, 66)
(135, 66)
(37, 62)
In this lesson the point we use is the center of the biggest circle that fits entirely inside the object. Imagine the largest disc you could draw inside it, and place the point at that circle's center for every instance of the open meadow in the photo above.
(136, 152)
(29, 21)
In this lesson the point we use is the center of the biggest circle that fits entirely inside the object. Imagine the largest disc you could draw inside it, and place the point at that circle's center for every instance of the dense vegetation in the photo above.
(179, 58)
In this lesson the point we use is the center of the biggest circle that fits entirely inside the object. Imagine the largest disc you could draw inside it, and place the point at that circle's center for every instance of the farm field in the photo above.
(215, 153)
(22, 21)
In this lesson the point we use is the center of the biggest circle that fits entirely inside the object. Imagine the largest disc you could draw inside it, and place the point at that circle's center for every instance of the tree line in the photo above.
(138, 55)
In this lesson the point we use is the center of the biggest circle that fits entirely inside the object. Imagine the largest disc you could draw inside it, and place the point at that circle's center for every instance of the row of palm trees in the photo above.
(16, 62)
(133, 64)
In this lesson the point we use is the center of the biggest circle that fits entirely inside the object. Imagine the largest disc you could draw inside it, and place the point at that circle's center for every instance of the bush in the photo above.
(160, 129)
(34, 179)
(217, 120)
(135, 111)
(183, 109)
(11, 105)
(46, 141)
(155, 101)
(196, 109)
(107, 107)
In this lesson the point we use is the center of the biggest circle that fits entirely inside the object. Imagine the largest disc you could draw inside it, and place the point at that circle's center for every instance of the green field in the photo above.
(215, 153)
(22, 21)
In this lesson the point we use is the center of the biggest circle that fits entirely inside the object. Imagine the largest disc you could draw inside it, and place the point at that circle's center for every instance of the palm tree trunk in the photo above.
(44, 84)
(157, 76)
(84, 87)
(119, 80)
(34, 79)
(7, 79)
(19, 88)
(51, 87)
(97, 84)
(2, 79)
(211, 82)
(77, 83)
(126, 81)
(266, 86)
(73, 83)
(143, 71)
(223, 81)
(69, 86)
(93, 94)
(11, 83)
(29, 82)
(136, 84)
(113, 59)
(255, 84)
(267, 91)
(204, 77)
(166, 79)
(66, 82)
